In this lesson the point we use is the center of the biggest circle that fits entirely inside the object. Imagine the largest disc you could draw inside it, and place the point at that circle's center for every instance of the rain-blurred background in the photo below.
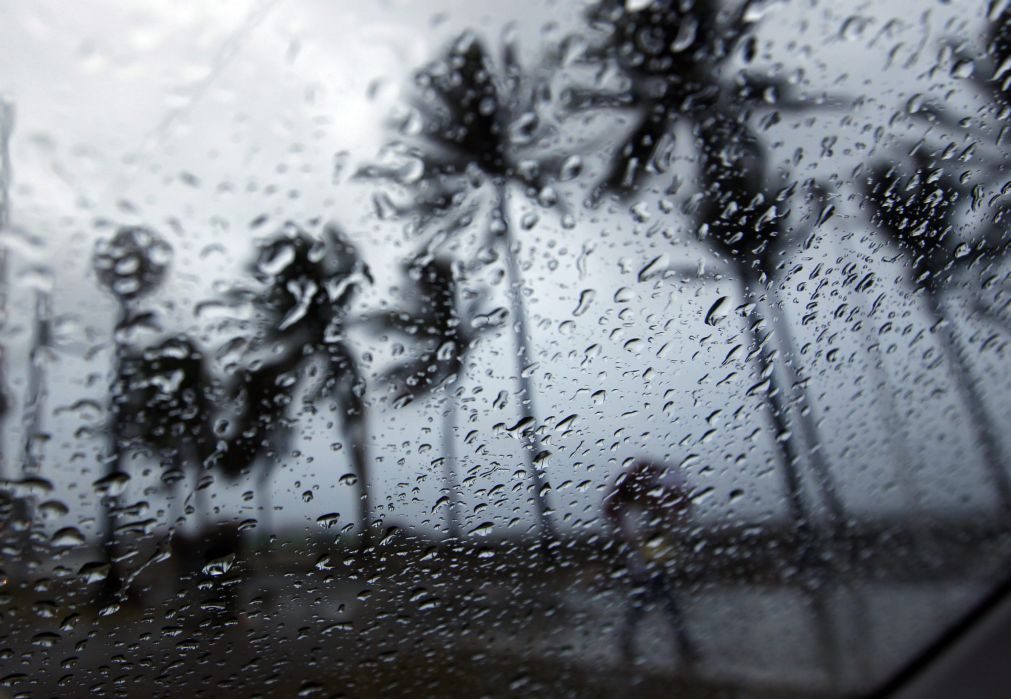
(329, 328)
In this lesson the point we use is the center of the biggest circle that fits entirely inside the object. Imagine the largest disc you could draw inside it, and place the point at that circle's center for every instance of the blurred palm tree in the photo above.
(674, 58)
(442, 322)
(915, 205)
(991, 75)
(481, 129)
(39, 344)
(993, 241)
(129, 265)
(996, 78)
(165, 396)
(306, 286)
(35, 393)
(746, 227)
(885, 393)
(673, 55)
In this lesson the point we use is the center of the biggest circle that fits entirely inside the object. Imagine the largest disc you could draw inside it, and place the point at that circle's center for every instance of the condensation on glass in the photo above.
(468, 349)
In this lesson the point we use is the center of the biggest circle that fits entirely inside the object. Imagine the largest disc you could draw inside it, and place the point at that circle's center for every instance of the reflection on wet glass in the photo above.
(467, 349)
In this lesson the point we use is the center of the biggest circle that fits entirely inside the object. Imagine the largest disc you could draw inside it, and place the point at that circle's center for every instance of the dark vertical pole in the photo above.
(810, 541)
(114, 460)
(6, 128)
(526, 393)
(36, 392)
(449, 460)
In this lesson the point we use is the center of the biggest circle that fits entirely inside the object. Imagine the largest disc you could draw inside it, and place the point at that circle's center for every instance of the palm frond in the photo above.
(915, 211)
(306, 283)
(479, 121)
(636, 157)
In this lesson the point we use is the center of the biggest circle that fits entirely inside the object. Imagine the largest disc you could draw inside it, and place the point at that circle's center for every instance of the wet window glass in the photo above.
(469, 349)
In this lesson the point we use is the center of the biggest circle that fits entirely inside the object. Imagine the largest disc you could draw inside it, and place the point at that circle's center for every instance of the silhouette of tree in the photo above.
(861, 313)
(40, 336)
(35, 393)
(129, 265)
(674, 54)
(165, 396)
(671, 53)
(485, 130)
(745, 226)
(306, 287)
(996, 79)
(441, 322)
(989, 75)
(33, 407)
(917, 213)
(992, 78)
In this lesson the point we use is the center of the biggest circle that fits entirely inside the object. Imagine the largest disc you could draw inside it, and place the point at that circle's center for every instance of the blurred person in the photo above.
(650, 505)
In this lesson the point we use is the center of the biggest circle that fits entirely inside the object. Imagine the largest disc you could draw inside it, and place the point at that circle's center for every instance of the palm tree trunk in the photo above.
(810, 541)
(6, 127)
(993, 317)
(264, 498)
(898, 437)
(839, 523)
(805, 416)
(533, 446)
(35, 396)
(776, 409)
(994, 457)
(4, 401)
(355, 422)
(449, 460)
(36, 390)
(356, 430)
(113, 463)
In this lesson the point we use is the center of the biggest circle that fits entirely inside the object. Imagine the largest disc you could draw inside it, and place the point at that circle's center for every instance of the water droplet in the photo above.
(114, 484)
(28, 487)
(655, 266)
(219, 566)
(585, 299)
(718, 311)
(963, 69)
(53, 509)
(45, 639)
(66, 537)
(246, 525)
(93, 572)
(483, 529)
